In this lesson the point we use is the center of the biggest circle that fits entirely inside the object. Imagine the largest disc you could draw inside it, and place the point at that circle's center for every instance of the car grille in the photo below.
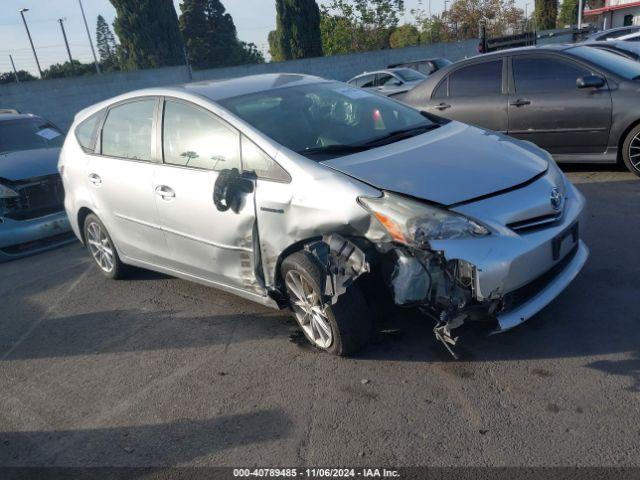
(37, 197)
(535, 223)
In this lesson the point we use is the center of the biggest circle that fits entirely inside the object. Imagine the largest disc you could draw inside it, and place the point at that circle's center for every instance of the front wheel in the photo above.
(340, 329)
(631, 150)
(102, 249)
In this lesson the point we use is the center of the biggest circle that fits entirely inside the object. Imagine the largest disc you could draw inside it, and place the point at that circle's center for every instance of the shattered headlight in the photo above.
(415, 223)
(6, 192)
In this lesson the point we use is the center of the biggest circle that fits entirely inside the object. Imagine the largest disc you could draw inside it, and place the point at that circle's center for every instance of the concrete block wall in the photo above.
(60, 99)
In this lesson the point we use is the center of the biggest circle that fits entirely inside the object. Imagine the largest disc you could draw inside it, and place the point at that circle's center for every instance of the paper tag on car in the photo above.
(48, 133)
(353, 93)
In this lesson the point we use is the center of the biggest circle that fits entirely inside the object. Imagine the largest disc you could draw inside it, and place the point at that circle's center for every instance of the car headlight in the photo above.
(414, 223)
(6, 192)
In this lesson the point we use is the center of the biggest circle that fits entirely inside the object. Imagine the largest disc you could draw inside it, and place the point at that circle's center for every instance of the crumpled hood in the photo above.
(451, 164)
(25, 164)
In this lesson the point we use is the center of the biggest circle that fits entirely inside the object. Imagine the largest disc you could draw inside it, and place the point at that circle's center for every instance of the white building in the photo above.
(615, 13)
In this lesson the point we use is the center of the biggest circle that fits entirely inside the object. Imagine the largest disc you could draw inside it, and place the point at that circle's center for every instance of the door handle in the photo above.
(95, 179)
(442, 106)
(165, 192)
(520, 102)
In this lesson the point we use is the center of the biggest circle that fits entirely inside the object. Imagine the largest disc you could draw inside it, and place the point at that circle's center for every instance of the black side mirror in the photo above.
(590, 81)
(229, 189)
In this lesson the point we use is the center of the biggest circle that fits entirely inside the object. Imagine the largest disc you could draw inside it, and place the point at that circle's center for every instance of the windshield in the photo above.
(28, 134)
(617, 64)
(409, 75)
(329, 118)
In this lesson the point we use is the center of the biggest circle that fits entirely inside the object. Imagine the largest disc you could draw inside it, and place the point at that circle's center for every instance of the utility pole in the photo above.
(95, 59)
(22, 10)
(64, 34)
(580, 6)
(15, 72)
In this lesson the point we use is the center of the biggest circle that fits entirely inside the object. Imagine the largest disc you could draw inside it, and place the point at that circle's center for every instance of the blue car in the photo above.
(32, 216)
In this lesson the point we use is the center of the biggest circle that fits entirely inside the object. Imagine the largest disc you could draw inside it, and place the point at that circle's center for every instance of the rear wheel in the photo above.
(339, 329)
(631, 150)
(102, 249)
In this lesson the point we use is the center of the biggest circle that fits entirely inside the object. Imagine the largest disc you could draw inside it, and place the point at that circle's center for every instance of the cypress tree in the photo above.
(297, 33)
(106, 43)
(149, 33)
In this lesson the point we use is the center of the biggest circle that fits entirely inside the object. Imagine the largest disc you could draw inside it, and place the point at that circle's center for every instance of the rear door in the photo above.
(120, 175)
(204, 242)
(547, 108)
(474, 94)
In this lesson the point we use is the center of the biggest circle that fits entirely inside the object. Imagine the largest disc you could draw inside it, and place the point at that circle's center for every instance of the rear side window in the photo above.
(86, 132)
(368, 81)
(545, 74)
(475, 80)
(254, 160)
(384, 79)
(193, 137)
(441, 90)
(127, 130)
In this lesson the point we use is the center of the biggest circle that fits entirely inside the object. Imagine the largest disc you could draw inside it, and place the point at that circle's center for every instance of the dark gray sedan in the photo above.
(581, 104)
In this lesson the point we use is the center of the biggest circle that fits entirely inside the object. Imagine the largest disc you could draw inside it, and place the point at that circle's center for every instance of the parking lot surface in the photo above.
(155, 371)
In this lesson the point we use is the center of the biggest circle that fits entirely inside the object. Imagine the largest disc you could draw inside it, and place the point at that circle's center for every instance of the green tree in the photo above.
(406, 35)
(433, 30)
(545, 14)
(149, 33)
(337, 34)
(106, 43)
(211, 38)
(500, 17)
(10, 77)
(297, 33)
(361, 25)
(568, 14)
(68, 69)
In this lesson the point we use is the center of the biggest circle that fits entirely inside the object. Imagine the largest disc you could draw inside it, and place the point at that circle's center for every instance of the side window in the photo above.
(384, 79)
(193, 137)
(367, 82)
(441, 90)
(475, 80)
(256, 161)
(127, 130)
(545, 74)
(86, 132)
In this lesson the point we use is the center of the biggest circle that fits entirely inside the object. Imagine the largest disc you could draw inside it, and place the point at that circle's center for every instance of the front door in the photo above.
(548, 109)
(119, 177)
(474, 96)
(203, 241)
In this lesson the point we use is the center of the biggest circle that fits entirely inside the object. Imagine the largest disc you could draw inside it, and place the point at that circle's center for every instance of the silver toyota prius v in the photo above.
(294, 191)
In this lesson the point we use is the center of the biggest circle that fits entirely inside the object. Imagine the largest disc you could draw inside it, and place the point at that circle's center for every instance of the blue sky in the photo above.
(253, 18)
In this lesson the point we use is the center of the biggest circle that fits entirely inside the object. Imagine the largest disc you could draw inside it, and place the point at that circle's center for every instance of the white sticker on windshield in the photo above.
(48, 133)
(353, 93)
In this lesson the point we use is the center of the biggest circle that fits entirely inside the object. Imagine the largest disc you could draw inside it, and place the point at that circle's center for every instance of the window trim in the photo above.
(503, 76)
(98, 148)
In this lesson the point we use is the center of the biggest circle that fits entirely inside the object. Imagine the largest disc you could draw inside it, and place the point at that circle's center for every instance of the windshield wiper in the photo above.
(398, 135)
(336, 148)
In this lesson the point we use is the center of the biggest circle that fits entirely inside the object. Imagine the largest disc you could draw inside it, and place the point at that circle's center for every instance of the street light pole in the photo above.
(95, 59)
(580, 4)
(22, 10)
(66, 43)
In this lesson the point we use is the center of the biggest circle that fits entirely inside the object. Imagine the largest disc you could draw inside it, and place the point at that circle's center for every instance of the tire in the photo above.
(101, 248)
(349, 320)
(631, 150)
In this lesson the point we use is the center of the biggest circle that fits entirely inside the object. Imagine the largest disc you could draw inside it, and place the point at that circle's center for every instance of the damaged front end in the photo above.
(420, 275)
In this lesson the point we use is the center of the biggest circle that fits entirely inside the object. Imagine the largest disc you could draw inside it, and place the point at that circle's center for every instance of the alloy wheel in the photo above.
(309, 310)
(634, 152)
(100, 246)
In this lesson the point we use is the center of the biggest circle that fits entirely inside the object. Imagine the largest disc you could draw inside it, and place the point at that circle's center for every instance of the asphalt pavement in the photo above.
(156, 371)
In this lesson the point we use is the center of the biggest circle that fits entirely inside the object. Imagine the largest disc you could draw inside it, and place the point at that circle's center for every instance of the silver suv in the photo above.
(294, 191)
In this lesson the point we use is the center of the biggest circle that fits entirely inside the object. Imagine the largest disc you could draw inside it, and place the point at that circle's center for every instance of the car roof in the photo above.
(224, 89)
(613, 30)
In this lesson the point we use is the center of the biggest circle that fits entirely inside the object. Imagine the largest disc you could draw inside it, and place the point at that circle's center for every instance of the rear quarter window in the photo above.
(86, 132)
